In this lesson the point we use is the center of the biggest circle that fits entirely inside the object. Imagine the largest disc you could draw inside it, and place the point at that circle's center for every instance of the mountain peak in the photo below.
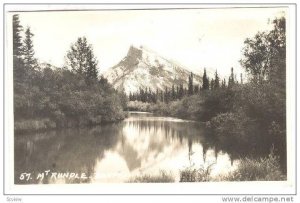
(135, 52)
(143, 68)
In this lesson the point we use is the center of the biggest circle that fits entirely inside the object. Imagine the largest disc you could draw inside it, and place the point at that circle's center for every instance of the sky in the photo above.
(195, 38)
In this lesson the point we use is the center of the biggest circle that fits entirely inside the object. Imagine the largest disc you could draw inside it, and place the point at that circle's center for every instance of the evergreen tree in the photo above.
(142, 95)
(30, 61)
(80, 59)
(224, 83)
(181, 91)
(167, 99)
(231, 81)
(162, 98)
(18, 65)
(212, 84)
(17, 39)
(185, 91)
(205, 81)
(91, 71)
(190, 85)
(196, 89)
(155, 97)
(173, 93)
(146, 95)
(103, 81)
(217, 81)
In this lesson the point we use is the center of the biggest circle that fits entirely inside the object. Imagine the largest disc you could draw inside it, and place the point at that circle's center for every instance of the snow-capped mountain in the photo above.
(143, 68)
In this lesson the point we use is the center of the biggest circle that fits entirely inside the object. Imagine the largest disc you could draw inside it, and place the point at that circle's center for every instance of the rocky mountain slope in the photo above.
(143, 68)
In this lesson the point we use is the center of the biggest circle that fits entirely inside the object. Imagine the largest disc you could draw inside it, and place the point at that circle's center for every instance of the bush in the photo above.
(67, 99)
(232, 125)
(138, 106)
(263, 169)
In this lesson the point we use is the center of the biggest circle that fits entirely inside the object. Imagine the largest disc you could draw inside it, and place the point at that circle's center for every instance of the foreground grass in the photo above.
(191, 174)
(263, 169)
(162, 177)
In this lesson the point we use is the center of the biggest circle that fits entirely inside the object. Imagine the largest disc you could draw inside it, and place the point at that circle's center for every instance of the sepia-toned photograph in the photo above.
(179, 95)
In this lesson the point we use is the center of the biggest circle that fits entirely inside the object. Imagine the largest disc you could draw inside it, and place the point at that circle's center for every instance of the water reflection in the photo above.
(143, 143)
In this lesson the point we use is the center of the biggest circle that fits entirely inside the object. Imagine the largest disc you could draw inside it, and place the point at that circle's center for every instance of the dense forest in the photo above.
(178, 92)
(245, 113)
(73, 95)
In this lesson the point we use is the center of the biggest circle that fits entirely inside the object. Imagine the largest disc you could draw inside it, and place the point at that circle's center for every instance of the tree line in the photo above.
(177, 92)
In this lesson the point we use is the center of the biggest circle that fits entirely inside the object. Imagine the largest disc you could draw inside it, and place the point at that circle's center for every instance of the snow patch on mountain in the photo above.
(143, 68)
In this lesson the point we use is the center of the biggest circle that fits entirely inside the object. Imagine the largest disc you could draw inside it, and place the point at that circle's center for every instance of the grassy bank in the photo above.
(162, 177)
(249, 169)
(184, 108)
(263, 169)
(29, 125)
(43, 124)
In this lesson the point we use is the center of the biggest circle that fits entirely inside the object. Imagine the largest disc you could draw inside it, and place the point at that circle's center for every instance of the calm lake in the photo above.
(141, 144)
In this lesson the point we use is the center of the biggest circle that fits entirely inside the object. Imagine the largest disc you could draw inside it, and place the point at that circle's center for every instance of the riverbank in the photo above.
(172, 109)
(44, 124)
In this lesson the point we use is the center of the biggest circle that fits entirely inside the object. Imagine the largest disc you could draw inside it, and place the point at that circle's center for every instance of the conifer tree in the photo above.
(231, 81)
(91, 71)
(17, 39)
(224, 83)
(181, 91)
(166, 95)
(217, 81)
(30, 61)
(162, 98)
(173, 93)
(212, 84)
(190, 84)
(205, 81)
(80, 59)
(18, 65)
(196, 89)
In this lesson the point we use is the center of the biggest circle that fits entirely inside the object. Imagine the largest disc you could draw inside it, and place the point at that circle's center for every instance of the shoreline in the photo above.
(27, 126)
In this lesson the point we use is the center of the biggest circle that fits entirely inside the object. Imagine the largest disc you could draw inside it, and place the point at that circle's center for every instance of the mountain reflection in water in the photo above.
(141, 144)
